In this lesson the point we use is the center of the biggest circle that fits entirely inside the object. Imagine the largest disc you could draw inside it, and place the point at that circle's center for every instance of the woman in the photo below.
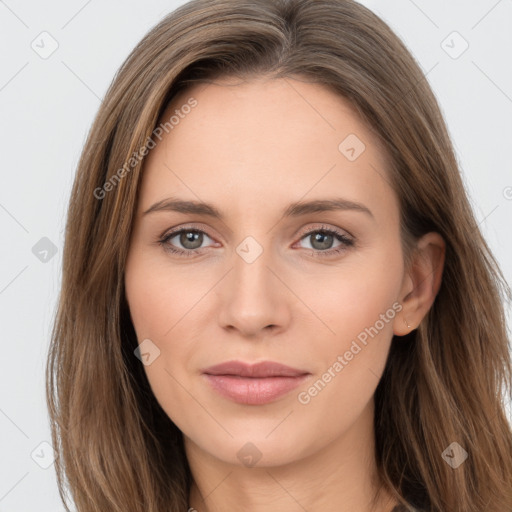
(203, 358)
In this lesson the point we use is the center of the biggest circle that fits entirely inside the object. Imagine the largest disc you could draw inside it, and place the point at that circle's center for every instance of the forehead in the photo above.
(266, 141)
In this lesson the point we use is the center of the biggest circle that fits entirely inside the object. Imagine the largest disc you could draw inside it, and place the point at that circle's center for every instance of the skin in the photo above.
(251, 148)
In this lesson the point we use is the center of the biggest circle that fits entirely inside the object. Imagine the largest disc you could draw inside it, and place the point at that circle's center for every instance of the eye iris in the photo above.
(324, 239)
(193, 237)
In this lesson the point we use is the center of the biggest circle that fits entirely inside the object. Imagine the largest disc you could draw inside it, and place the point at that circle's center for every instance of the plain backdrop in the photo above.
(47, 104)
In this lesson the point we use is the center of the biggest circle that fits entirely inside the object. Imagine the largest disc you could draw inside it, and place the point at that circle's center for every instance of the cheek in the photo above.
(160, 296)
(148, 299)
(354, 296)
(160, 308)
(358, 304)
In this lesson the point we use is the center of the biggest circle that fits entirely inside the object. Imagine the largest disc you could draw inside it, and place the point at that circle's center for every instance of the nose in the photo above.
(253, 300)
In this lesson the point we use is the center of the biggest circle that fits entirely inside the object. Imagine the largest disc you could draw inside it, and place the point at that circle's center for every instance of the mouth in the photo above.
(254, 384)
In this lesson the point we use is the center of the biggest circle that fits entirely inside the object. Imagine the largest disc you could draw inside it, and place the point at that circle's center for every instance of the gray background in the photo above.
(47, 106)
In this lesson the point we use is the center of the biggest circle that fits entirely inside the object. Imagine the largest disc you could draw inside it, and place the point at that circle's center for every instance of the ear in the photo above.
(421, 283)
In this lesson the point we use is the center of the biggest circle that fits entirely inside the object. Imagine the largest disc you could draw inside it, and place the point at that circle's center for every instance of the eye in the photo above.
(321, 241)
(190, 239)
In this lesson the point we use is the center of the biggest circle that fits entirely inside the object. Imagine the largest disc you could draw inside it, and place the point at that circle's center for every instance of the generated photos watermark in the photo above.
(305, 397)
(137, 156)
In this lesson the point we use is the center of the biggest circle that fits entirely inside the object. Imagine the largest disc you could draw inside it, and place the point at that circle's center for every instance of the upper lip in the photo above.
(261, 369)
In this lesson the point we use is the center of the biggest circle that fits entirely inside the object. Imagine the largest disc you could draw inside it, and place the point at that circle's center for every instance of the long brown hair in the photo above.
(446, 382)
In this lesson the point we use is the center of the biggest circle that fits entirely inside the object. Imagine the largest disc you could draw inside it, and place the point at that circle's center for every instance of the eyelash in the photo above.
(345, 241)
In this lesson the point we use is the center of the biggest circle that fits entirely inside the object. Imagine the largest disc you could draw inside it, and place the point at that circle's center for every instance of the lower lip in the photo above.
(253, 391)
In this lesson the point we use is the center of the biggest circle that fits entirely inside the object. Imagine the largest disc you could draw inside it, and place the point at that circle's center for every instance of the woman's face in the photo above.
(301, 265)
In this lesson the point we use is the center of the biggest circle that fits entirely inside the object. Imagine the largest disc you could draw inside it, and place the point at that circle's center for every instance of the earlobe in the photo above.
(422, 283)
(401, 326)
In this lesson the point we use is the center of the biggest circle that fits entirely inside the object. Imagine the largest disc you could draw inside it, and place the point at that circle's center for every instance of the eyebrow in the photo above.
(293, 210)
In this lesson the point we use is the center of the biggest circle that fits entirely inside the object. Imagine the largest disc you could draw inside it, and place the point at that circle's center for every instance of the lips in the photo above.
(253, 384)
(262, 369)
